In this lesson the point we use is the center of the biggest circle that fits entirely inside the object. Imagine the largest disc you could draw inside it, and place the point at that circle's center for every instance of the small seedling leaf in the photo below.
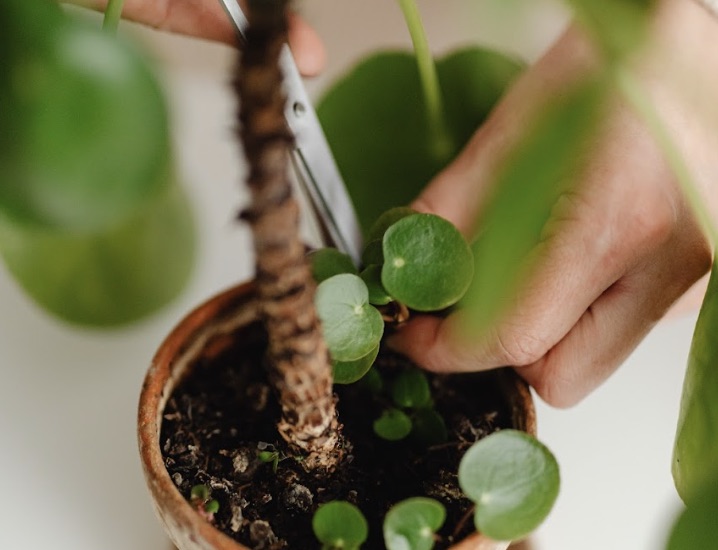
(412, 523)
(411, 389)
(340, 525)
(514, 481)
(327, 262)
(377, 294)
(372, 381)
(429, 427)
(212, 507)
(199, 492)
(427, 263)
(348, 372)
(393, 425)
(386, 220)
(352, 327)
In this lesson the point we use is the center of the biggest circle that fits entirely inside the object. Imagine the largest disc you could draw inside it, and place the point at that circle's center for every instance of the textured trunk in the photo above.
(299, 361)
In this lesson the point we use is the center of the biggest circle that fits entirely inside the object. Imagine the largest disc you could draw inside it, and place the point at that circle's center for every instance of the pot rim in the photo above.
(221, 315)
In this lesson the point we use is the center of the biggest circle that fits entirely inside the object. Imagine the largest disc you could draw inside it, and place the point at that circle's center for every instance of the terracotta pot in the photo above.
(204, 331)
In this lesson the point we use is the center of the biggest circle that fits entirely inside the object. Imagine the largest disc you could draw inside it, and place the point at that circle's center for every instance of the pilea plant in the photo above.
(387, 119)
(93, 224)
(509, 499)
(412, 262)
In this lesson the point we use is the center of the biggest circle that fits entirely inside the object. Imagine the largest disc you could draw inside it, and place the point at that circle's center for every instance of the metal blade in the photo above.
(313, 158)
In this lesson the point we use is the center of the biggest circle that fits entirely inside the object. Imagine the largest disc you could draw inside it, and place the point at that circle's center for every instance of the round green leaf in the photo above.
(111, 277)
(348, 372)
(427, 263)
(411, 524)
(411, 389)
(372, 277)
(514, 481)
(429, 427)
(386, 220)
(327, 262)
(340, 525)
(388, 157)
(392, 425)
(88, 138)
(352, 327)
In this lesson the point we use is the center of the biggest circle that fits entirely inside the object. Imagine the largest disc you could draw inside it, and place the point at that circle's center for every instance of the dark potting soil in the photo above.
(223, 414)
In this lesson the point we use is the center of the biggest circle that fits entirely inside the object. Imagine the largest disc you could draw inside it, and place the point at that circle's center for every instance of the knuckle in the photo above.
(652, 222)
(520, 348)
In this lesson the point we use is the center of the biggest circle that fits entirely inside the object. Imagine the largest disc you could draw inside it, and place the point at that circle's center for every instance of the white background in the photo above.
(69, 469)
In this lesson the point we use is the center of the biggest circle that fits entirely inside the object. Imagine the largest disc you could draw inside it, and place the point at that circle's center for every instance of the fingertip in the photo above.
(307, 47)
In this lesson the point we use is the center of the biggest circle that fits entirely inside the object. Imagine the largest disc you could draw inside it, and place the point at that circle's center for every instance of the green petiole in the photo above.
(442, 143)
(113, 13)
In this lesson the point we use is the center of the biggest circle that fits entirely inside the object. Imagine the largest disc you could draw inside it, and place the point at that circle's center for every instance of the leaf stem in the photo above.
(636, 96)
(442, 144)
(113, 13)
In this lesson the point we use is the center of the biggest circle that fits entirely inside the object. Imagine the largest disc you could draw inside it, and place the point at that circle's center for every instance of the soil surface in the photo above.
(221, 419)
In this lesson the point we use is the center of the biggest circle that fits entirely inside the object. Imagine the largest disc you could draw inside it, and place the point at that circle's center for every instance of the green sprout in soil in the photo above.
(202, 501)
(340, 525)
(412, 524)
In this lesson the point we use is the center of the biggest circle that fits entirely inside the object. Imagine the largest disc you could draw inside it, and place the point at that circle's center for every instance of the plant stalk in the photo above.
(113, 14)
(441, 141)
(633, 92)
(299, 365)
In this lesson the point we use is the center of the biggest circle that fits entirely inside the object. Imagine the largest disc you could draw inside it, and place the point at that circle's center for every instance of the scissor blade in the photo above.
(313, 158)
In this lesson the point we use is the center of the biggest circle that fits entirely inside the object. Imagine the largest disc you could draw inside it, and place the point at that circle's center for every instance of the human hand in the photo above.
(618, 250)
(207, 19)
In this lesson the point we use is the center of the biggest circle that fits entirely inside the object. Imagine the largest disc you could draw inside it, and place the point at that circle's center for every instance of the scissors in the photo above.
(312, 157)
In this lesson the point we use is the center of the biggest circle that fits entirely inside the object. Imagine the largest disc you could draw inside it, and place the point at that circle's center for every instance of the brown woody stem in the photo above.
(300, 367)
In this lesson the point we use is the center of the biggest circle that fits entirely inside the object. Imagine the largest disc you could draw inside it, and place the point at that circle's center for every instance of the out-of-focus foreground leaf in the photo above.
(696, 528)
(617, 26)
(695, 454)
(110, 277)
(540, 168)
(376, 123)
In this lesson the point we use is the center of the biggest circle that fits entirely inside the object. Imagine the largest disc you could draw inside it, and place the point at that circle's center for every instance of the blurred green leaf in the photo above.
(428, 427)
(393, 425)
(696, 527)
(340, 525)
(85, 139)
(386, 220)
(411, 389)
(540, 169)
(110, 277)
(352, 327)
(617, 26)
(514, 481)
(695, 454)
(373, 253)
(327, 262)
(372, 277)
(427, 263)
(387, 157)
(412, 523)
(348, 372)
